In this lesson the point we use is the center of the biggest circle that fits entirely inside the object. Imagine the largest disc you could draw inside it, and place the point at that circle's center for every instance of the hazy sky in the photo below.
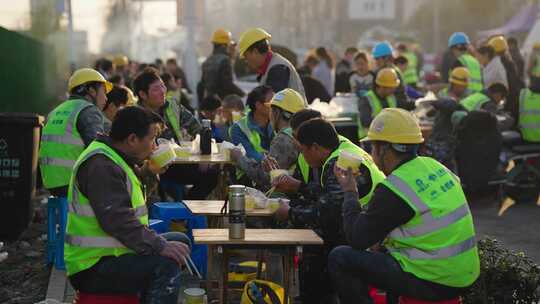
(89, 15)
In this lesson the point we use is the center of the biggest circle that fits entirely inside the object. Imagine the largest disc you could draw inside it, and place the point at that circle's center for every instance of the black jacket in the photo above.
(217, 75)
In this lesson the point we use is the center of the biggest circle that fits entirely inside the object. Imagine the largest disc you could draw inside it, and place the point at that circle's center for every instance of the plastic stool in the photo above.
(56, 230)
(88, 298)
(167, 212)
(157, 225)
(407, 300)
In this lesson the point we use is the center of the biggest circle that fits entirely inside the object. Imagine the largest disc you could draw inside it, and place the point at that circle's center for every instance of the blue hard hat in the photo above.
(458, 38)
(382, 49)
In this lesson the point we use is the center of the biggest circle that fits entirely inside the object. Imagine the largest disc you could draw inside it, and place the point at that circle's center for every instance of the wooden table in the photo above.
(286, 241)
(213, 208)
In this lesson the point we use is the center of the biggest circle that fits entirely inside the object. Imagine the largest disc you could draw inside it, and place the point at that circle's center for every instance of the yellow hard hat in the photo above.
(288, 100)
(536, 46)
(120, 60)
(460, 75)
(132, 99)
(388, 78)
(249, 37)
(498, 43)
(82, 76)
(395, 126)
(221, 36)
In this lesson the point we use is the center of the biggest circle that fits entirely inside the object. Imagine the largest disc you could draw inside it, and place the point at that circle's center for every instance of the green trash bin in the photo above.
(19, 143)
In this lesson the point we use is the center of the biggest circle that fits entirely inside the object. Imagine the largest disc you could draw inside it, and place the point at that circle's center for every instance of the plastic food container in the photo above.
(164, 155)
(277, 172)
(194, 295)
(348, 160)
(182, 151)
(273, 204)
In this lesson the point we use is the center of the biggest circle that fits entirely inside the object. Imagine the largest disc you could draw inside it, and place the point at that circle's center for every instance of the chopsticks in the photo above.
(270, 191)
(193, 266)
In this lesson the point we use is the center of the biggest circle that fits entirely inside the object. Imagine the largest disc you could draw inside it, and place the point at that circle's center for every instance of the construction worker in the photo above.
(379, 97)
(72, 126)
(117, 99)
(217, 73)
(410, 75)
(529, 112)
(254, 131)
(321, 146)
(533, 69)
(272, 68)
(282, 153)
(419, 213)
(232, 110)
(181, 125)
(109, 248)
(458, 87)
(383, 53)
(487, 100)
(458, 44)
(515, 82)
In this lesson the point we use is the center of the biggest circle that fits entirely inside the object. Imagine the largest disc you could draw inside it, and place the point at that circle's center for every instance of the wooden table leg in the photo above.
(288, 260)
(224, 276)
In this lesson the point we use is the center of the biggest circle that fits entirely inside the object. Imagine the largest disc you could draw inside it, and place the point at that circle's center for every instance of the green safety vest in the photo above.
(377, 176)
(172, 115)
(410, 76)
(376, 107)
(475, 101)
(438, 244)
(475, 80)
(304, 166)
(61, 143)
(85, 241)
(253, 137)
(444, 94)
(536, 69)
(529, 115)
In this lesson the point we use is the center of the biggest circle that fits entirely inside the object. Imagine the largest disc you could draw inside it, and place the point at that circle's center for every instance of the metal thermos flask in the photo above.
(237, 211)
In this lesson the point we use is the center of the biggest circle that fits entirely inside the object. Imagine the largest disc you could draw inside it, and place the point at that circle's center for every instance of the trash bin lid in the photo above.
(10, 118)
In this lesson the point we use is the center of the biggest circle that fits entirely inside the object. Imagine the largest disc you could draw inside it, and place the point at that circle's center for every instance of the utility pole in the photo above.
(71, 42)
(189, 59)
(436, 25)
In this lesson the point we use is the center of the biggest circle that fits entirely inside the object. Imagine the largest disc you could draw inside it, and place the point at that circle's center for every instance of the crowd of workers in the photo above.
(400, 221)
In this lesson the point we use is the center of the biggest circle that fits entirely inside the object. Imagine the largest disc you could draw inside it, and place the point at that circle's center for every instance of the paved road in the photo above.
(518, 228)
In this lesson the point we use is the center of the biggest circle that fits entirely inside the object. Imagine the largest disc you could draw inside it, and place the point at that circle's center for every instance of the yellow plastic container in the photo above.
(250, 202)
(182, 151)
(348, 160)
(163, 155)
(273, 204)
(194, 295)
(236, 116)
(277, 172)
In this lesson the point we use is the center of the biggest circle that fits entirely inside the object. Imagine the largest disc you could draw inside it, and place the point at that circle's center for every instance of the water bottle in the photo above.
(237, 211)
(206, 138)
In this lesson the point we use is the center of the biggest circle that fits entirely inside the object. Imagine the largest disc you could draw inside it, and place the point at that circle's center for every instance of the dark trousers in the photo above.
(155, 278)
(203, 181)
(353, 270)
(315, 284)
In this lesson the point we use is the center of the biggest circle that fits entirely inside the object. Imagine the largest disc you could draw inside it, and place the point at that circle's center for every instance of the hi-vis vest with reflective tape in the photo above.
(253, 137)
(61, 143)
(475, 101)
(377, 176)
(302, 164)
(172, 114)
(376, 107)
(85, 241)
(529, 115)
(438, 244)
(444, 94)
(410, 76)
(475, 80)
(536, 69)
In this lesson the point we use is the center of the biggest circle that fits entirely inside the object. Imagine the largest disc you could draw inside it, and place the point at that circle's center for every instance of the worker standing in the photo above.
(533, 69)
(419, 213)
(410, 76)
(380, 97)
(71, 127)
(217, 73)
(458, 87)
(272, 68)
(383, 53)
(459, 43)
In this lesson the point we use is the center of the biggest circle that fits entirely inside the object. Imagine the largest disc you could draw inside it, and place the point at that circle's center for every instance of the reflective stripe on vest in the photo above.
(438, 243)
(474, 102)
(376, 107)
(529, 115)
(377, 176)
(253, 137)
(61, 143)
(475, 80)
(172, 114)
(85, 241)
(304, 167)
